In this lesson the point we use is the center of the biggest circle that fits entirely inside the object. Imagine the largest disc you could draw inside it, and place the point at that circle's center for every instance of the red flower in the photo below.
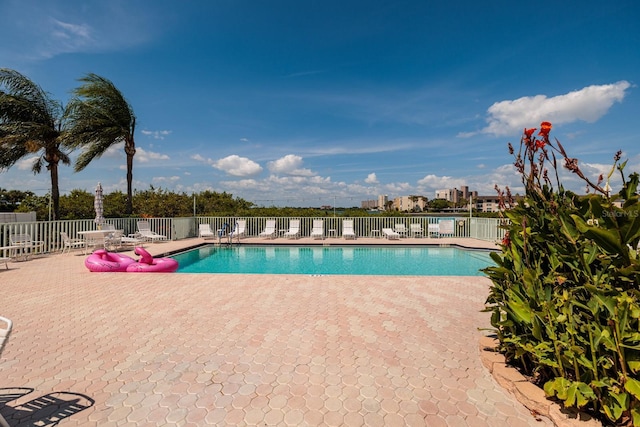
(539, 143)
(529, 132)
(506, 240)
(545, 127)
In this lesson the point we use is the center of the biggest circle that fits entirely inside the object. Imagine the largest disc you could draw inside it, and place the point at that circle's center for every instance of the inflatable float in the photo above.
(103, 261)
(149, 264)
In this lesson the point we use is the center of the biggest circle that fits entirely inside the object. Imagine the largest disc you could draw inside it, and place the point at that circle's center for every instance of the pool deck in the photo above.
(128, 349)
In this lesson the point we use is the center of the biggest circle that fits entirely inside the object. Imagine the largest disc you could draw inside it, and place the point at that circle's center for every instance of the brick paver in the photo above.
(96, 349)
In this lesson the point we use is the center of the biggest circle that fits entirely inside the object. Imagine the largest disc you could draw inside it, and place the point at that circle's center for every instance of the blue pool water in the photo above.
(352, 260)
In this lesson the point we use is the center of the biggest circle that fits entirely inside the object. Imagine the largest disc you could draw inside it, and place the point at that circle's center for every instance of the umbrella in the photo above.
(97, 205)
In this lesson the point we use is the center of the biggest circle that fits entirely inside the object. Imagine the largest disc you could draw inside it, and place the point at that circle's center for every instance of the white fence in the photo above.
(182, 228)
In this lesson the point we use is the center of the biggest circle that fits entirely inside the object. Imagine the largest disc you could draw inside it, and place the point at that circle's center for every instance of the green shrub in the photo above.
(564, 298)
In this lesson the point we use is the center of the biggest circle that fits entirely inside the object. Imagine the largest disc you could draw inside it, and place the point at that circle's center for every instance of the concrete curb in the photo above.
(527, 393)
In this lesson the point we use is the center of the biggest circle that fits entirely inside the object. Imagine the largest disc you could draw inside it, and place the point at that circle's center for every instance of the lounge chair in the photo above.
(347, 229)
(204, 231)
(401, 229)
(26, 245)
(433, 229)
(294, 229)
(5, 331)
(390, 234)
(445, 227)
(69, 243)
(239, 229)
(317, 232)
(144, 229)
(269, 229)
(416, 230)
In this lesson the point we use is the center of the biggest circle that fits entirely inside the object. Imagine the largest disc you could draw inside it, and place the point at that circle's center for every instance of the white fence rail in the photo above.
(182, 228)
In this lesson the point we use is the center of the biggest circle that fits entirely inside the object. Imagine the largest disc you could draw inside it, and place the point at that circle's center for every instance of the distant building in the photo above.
(382, 201)
(406, 203)
(454, 195)
(369, 204)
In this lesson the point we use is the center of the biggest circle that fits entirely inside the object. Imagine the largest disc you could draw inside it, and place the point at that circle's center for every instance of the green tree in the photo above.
(30, 124)
(439, 204)
(78, 204)
(11, 199)
(98, 117)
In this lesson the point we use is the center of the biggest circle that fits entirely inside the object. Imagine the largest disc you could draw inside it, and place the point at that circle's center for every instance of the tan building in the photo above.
(405, 203)
(454, 195)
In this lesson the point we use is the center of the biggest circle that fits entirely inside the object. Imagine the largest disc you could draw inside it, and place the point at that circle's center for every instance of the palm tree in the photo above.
(98, 117)
(30, 123)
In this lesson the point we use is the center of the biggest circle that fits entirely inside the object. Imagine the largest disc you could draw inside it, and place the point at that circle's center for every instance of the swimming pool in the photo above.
(325, 260)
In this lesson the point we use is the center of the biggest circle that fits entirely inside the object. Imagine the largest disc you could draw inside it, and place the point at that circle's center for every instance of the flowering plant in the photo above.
(565, 294)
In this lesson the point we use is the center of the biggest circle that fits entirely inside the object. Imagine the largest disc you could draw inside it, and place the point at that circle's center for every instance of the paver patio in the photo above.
(125, 349)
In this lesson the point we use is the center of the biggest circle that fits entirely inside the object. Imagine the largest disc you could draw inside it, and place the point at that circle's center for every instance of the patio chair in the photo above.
(317, 232)
(5, 331)
(347, 229)
(26, 245)
(416, 230)
(294, 229)
(144, 229)
(269, 229)
(204, 231)
(401, 229)
(239, 230)
(390, 234)
(69, 243)
(433, 229)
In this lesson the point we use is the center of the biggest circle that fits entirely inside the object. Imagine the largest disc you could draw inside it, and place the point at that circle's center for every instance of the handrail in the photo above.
(182, 228)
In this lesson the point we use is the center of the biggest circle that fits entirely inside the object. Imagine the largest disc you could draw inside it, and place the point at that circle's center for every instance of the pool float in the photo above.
(103, 261)
(149, 264)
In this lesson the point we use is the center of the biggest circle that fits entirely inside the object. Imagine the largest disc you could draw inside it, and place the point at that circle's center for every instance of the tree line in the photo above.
(33, 124)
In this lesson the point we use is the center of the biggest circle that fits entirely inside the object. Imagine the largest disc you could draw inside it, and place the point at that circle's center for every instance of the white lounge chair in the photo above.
(144, 229)
(269, 229)
(433, 229)
(347, 229)
(69, 243)
(317, 232)
(239, 230)
(26, 246)
(416, 230)
(204, 231)
(294, 229)
(401, 229)
(5, 331)
(445, 227)
(390, 234)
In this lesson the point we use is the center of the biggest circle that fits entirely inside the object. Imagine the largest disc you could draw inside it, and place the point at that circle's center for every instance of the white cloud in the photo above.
(167, 179)
(434, 182)
(289, 165)
(26, 163)
(371, 179)
(145, 156)
(156, 134)
(588, 104)
(244, 139)
(237, 166)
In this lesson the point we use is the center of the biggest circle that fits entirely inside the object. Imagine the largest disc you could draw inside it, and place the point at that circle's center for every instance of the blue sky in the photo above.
(303, 103)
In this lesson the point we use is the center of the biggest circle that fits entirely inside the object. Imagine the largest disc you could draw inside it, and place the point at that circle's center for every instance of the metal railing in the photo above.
(182, 228)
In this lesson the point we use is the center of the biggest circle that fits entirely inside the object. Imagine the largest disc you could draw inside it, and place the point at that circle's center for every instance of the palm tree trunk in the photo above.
(55, 192)
(130, 150)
